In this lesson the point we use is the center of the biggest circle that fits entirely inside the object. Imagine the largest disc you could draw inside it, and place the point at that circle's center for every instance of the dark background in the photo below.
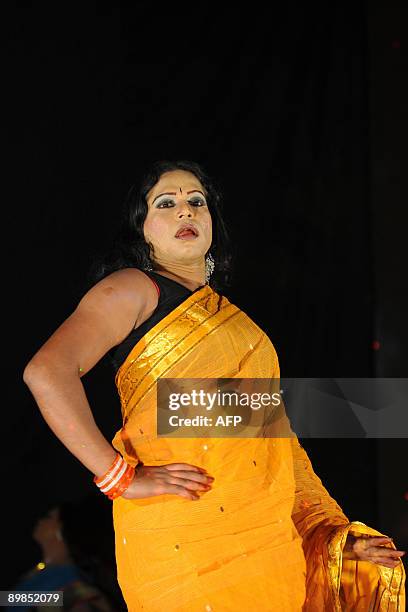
(299, 112)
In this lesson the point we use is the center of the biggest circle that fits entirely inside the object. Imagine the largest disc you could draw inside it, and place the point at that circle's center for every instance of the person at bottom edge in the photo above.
(66, 566)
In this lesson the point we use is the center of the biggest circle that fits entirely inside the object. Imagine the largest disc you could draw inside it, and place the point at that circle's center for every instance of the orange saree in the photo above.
(267, 536)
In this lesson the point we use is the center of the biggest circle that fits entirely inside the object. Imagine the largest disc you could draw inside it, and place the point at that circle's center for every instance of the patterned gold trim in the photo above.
(169, 340)
(389, 596)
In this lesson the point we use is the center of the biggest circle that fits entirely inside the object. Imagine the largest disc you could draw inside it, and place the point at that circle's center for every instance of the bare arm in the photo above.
(104, 317)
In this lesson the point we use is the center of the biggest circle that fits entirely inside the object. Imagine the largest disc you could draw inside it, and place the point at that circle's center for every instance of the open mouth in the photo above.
(187, 232)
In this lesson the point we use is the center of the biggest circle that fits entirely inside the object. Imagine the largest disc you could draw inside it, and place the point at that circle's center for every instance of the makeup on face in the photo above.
(163, 197)
(178, 222)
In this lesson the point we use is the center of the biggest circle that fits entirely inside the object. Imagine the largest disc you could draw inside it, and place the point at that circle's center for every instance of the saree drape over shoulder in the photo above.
(267, 536)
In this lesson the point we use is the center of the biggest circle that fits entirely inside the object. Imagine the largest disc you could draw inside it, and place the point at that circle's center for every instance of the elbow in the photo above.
(29, 374)
(41, 372)
(34, 373)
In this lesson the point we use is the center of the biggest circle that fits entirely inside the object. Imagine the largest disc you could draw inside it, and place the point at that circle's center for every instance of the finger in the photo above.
(375, 540)
(187, 483)
(184, 466)
(386, 551)
(179, 490)
(378, 547)
(163, 487)
(191, 476)
(391, 554)
(385, 561)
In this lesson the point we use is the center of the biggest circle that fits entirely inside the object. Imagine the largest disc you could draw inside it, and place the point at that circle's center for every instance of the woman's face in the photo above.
(178, 198)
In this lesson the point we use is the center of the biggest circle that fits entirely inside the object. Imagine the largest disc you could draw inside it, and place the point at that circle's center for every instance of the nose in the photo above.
(185, 210)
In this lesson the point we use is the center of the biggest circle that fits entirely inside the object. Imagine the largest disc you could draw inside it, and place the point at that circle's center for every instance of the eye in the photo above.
(166, 203)
(197, 201)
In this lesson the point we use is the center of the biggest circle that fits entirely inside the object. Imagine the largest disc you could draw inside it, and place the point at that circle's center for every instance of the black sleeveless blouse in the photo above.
(172, 294)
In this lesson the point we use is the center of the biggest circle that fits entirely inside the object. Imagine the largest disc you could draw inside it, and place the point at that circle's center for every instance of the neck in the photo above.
(192, 275)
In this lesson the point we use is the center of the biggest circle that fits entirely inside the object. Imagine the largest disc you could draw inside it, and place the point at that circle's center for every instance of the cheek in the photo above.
(154, 227)
(207, 225)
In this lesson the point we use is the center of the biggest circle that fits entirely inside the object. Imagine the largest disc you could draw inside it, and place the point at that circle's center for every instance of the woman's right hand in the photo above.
(181, 479)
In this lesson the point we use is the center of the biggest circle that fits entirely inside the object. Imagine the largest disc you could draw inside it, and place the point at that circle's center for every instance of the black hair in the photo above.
(130, 248)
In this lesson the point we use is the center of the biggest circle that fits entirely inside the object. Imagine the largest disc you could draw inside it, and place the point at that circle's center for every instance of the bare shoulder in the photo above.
(124, 296)
(129, 286)
(104, 316)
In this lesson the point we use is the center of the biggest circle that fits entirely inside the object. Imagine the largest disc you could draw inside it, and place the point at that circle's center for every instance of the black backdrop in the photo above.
(281, 105)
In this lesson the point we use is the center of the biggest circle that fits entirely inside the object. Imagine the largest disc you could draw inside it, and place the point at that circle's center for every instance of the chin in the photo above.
(195, 250)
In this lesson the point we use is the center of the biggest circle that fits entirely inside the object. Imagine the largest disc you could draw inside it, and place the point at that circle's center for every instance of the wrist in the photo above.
(116, 479)
(105, 463)
(348, 550)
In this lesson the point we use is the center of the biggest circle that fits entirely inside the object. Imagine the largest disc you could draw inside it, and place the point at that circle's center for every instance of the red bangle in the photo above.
(117, 478)
(123, 484)
(101, 480)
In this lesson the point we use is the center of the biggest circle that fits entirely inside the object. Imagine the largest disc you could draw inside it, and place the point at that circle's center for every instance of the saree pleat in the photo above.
(334, 583)
(267, 536)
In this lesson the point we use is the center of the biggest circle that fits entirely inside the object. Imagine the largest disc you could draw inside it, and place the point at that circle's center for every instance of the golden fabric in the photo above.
(267, 536)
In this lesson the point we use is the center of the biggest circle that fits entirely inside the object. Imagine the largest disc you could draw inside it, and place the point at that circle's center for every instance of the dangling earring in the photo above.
(209, 267)
(148, 267)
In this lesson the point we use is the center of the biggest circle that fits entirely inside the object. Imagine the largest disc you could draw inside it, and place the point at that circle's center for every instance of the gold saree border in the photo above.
(391, 580)
(171, 338)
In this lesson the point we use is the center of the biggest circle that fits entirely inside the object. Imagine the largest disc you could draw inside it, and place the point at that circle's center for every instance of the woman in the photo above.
(265, 534)
(68, 565)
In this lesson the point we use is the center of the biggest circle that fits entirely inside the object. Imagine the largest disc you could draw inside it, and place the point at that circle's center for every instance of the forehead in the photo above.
(174, 181)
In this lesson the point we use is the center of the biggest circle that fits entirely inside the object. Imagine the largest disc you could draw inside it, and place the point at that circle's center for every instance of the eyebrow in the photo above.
(174, 193)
